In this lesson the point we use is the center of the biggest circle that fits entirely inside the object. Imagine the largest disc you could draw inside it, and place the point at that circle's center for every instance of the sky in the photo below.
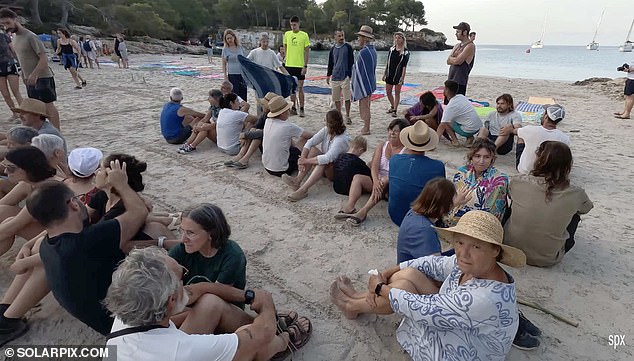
(569, 22)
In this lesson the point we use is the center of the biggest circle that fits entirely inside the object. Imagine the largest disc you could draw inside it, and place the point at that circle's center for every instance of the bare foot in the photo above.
(345, 285)
(340, 300)
(365, 132)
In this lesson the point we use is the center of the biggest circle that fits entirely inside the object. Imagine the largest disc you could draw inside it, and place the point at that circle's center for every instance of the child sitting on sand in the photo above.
(347, 165)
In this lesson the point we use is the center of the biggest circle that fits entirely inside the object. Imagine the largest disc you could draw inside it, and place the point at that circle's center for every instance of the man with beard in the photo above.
(145, 293)
(33, 59)
(78, 258)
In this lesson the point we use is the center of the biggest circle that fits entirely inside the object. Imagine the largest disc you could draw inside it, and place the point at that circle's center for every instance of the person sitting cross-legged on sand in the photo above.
(410, 171)
(546, 198)
(318, 154)
(26, 167)
(487, 185)
(176, 119)
(83, 163)
(33, 114)
(436, 323)
(227, 88)
(458, 116)
(499, 125)
(231, 122)
(205, 128)
(427, 109)
(348, 165)
(377, 183)
(279, 151)
(147, 291)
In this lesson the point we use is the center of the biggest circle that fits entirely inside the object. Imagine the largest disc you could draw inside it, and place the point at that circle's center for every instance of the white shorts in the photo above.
(339, 87)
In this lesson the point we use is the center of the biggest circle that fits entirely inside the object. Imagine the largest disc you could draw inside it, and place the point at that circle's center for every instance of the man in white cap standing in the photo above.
(364, 76)
(532, 136)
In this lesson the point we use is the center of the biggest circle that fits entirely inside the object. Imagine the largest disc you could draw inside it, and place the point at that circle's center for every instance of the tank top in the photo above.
(384, 165)
(460, 73)
(171, 123)
(67, 48)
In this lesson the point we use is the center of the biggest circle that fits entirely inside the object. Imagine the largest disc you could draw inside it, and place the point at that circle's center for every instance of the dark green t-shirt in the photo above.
(227, 266)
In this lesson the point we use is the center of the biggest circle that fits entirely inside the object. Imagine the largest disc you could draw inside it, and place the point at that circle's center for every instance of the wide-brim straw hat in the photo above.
(485, 227)
(267, 98)
(366, 31)
(277, 106)
(34, 106)
(419, 137)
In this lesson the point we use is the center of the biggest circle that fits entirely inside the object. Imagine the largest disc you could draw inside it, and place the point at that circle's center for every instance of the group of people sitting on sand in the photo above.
(490, 216)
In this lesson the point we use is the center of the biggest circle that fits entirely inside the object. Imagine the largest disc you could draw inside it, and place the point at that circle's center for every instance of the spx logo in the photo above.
(616, 340)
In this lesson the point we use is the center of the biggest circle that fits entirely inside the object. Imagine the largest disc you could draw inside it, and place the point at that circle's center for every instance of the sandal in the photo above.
(285, 320)
(341, 215)
(229, 163)
(299, 336)
(355, 221)
(239, 165)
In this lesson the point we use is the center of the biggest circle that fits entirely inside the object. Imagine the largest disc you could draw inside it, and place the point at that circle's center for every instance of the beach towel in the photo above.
(319, 77)
(541, 100)
(364, 73)
(312, 89)
(264, 80)
(409, 99)
(528, 107)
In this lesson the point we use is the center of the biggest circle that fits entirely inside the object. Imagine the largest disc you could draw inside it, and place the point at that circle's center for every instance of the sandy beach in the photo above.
(295, 250)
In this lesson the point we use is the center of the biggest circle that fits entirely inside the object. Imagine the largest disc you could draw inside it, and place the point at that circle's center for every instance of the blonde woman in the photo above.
(230, 64)
(395, 69)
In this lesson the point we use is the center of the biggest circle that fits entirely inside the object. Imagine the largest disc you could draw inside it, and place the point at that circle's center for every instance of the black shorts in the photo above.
(629, 87)
(44, 90)
(505, 148)
(7, 69)
(293, 157)
(296, 72)
(186, 131)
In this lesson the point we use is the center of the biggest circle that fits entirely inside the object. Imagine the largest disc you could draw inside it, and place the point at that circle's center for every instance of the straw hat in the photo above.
(485, 227)
(366, 31)
(34, 106)
(267, 98)
(419, 137)
(277, 106)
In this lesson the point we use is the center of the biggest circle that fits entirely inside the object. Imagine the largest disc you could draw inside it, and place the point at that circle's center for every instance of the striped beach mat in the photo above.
(523, 106)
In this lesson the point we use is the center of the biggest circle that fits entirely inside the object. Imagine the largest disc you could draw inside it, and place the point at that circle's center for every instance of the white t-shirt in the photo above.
(534, 136)
(266, 58)
(497, 121)
(228, 127)
(172, 344)
(278, 137)
(460, 110)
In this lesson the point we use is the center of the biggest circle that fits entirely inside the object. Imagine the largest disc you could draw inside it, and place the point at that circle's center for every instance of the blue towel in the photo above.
(264, 80)
(364, 73)
(311, 89)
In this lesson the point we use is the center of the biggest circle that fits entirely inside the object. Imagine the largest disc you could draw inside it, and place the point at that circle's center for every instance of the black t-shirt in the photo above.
(346, 166)
(79, 269)
(99, 202)
(261, 121)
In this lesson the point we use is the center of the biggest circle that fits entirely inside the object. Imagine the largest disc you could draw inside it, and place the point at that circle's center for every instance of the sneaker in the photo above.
(348, 120)
(524, 341)
(11, 329)
(188, 149)
(528, 326)
(293, 111)
(301, 112)
(183, 146)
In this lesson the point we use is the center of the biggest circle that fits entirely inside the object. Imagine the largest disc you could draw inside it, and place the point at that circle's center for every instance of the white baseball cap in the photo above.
(83, 162)
(555, 112)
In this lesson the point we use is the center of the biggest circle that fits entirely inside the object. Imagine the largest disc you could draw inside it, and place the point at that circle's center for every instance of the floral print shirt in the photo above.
(490, 191)
(476, 320)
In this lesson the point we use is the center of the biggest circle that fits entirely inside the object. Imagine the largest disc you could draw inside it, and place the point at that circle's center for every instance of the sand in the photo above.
(295, 250)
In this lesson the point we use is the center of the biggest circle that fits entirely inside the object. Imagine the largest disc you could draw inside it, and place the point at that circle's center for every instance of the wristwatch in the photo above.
(377, 289)
(249, 295)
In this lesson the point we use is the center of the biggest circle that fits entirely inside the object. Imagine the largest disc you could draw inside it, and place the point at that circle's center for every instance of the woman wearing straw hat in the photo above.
(474, 311)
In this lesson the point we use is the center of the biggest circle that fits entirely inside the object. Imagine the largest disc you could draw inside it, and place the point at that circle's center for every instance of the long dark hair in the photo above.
(32, 161)
(225, 101)
(554, 163)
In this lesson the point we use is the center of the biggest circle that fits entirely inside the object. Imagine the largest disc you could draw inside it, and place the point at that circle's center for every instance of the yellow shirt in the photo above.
(295, 45)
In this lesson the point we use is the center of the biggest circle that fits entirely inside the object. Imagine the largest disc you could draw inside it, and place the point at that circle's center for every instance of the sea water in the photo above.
(566, 63)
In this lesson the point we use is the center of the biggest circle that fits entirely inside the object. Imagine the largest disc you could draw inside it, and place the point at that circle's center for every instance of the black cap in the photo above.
(463, 26)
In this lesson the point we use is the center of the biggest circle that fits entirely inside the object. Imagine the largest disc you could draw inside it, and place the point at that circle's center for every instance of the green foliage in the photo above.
(192, 18)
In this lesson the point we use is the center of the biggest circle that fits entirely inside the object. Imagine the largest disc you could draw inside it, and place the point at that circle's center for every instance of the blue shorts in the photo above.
(69, 60)
(186, 131)
(456, 128)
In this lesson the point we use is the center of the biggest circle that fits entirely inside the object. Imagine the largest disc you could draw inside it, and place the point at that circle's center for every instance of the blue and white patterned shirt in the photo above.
(473, 321)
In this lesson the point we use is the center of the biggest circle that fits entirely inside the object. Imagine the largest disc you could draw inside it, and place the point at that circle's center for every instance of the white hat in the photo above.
(555, 112)
(83, 162)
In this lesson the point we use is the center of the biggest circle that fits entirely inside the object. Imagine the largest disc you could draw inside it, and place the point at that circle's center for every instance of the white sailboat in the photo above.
(627, 46)
(539, 43)
(594, 45)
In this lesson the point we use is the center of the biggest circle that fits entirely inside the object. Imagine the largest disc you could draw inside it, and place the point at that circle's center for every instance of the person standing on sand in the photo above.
(364, 76)
(266, 57)
(231, 66)
(33, 60)
(9, 74)
(629, 93)
(67, 48)
(297, 50)
(340, 63)
(123, 51)
(395, 69)
(209, 43)
(461, 59)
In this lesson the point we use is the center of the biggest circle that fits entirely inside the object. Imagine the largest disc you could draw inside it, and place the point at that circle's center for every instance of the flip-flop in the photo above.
(229, 163)
(617, 113)
(239, 165)
(621, 117)
(355, 221)
(341, 215)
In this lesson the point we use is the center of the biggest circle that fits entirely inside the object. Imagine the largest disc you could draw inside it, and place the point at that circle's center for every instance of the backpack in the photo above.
(87, 46)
